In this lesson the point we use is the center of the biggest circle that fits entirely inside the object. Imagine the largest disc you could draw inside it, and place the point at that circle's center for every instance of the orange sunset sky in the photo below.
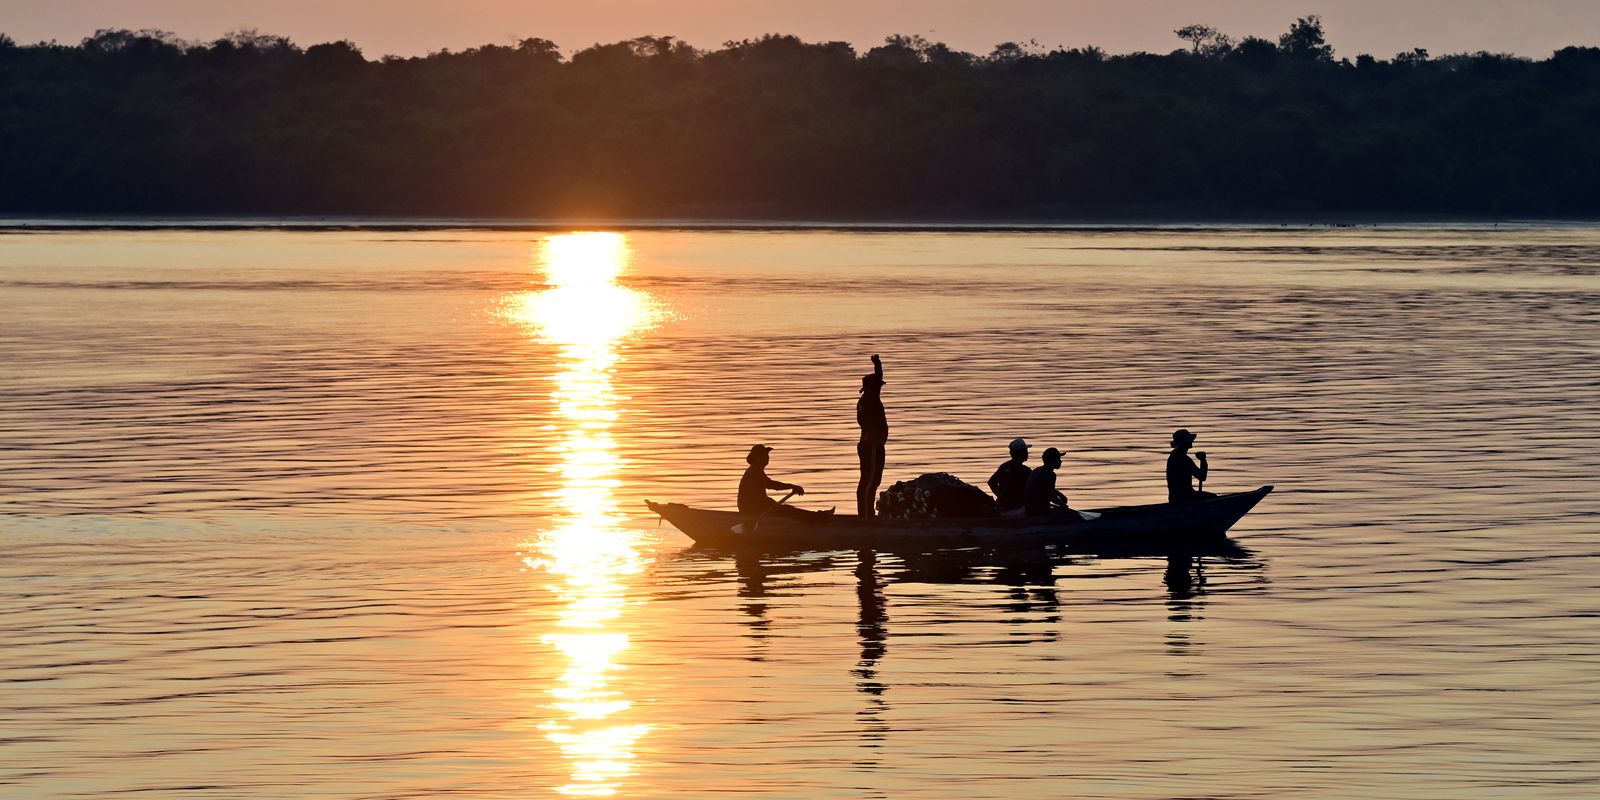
(415, 27)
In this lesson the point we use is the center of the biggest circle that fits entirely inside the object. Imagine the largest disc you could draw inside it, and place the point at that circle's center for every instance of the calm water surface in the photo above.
(358, 514)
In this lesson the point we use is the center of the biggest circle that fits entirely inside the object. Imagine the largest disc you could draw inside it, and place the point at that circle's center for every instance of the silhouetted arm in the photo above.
(994, 480)
(877, 366)
(781, 486)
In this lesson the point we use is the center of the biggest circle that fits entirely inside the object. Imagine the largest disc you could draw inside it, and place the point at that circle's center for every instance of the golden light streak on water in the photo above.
(587, 554)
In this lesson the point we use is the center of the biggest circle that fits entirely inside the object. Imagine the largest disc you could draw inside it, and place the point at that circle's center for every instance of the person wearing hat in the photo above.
(1181, 470)
(874, 424)
(1009, 483)
(1042, 499)
(753, 487)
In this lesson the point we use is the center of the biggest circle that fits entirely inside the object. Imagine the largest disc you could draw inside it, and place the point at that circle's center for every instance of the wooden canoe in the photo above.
(1156, 528)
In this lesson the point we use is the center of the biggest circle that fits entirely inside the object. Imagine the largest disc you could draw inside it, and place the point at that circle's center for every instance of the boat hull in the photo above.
(1160, 527)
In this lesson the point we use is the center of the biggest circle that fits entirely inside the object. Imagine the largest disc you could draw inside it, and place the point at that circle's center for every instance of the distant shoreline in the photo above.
(31, 224)
(773, 132)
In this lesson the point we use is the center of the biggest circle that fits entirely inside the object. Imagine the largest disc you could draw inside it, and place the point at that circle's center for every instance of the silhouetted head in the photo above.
(871, 380)
(758, 455)
(1182, 439)
(1019, 449)
(1051, 457)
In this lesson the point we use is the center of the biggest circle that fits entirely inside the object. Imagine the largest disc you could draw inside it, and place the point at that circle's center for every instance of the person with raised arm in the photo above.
(874, 423)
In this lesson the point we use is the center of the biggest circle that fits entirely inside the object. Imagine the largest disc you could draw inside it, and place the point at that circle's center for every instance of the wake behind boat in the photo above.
(1157, 527)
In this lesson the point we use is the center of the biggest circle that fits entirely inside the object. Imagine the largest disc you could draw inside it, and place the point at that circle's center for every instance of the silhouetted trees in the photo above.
(140, 121)
(1206, 40)
(1304, 41)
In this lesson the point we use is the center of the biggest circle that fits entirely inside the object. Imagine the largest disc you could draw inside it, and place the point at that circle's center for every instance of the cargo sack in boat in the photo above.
(937, 495)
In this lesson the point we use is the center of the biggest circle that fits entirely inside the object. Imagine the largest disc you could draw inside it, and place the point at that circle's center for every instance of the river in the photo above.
(357, 512)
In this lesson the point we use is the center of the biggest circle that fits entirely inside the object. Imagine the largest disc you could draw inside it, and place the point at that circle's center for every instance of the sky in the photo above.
(415, 27)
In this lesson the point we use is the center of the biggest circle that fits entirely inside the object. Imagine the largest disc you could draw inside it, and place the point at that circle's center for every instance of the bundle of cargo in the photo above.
(937, 495)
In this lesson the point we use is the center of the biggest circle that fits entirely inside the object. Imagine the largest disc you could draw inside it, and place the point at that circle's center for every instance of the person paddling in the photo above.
(1181, 469)
(1009, 483)
(1042, 499)
(753, 488)
(874, 422)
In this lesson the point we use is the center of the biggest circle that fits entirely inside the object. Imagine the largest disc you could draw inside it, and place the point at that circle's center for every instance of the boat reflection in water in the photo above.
(587, 554)
(1029, 583)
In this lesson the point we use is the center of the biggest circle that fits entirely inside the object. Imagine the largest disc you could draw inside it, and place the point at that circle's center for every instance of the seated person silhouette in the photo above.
(753, 487)
(1041, 498)
(1181, 470)
(1009, 483)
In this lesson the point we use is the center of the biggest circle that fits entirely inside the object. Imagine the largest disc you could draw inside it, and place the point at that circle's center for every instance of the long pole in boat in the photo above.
(741, 528)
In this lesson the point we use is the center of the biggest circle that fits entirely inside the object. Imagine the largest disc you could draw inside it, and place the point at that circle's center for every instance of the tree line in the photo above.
(143, 122)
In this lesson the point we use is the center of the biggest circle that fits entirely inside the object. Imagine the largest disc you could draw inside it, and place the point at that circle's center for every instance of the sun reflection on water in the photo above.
(587, 553)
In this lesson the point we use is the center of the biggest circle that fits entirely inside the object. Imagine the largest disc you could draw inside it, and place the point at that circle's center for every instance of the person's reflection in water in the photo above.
(1185, 579)
(872, 628)
(1032, 589)
(872, 624)
(753, 590)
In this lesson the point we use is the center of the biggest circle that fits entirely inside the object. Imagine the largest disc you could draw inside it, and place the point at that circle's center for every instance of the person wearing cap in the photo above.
(1181, 470)
(874, 424)
(1009, 483)
(1041, 498)
(753, 488)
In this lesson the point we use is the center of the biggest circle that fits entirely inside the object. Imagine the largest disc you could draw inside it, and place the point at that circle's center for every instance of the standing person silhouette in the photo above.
(874, 424)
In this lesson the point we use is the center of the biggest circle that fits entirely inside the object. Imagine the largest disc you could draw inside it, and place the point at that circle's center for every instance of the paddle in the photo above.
(741, 530)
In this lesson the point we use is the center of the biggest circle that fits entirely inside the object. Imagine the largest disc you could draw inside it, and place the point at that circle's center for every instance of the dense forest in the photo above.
(143, 122)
